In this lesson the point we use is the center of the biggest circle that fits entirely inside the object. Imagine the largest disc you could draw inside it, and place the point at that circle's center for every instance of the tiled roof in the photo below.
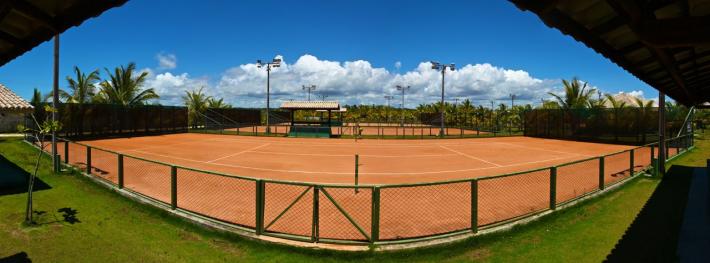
(311, 105)
(10, 100)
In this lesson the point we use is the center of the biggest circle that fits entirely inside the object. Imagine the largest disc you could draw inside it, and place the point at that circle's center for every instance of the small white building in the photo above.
(12, 110)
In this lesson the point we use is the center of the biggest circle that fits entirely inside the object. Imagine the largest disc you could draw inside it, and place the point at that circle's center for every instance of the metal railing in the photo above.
(364, 214)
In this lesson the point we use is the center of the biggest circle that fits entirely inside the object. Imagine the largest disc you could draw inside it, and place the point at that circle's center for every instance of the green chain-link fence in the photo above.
(365, 214)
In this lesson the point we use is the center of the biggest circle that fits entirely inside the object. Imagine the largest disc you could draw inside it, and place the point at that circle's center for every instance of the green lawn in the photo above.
(113, 229)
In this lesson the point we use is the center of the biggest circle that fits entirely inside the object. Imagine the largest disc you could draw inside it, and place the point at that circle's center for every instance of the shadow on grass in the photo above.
(653, 236)
(16, 258)
(13, 179)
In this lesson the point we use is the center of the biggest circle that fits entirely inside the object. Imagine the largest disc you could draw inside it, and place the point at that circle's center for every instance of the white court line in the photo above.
(469, 156)
(168, 145)
(351, 155)
(429, 144)
(238, 153)
(540, 149)
(350, 173)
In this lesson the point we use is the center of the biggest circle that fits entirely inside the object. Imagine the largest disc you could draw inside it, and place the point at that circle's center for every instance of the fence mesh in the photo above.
(288, 208)
(416, 211)
(617, 167)
(628, 125)
(77, 155)
(105, 165)
(225, 198)
(148, 178)
(503, 198)
(642, 158)
(334, 224)
(577, 179)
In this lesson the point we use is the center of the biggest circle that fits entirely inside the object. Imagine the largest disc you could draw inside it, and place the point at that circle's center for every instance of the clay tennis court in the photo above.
(372, 129)
(405, 211)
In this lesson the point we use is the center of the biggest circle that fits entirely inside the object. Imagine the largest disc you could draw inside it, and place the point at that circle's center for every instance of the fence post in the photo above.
(553, 187)
(375, 214)
(357, 166)
(173, 187)
(474, 206)
(66, 152)
(631, 162)
(601, 172)
(88, 159)
(315, 227)
(120, 171)
(259, 224)
(653, 154)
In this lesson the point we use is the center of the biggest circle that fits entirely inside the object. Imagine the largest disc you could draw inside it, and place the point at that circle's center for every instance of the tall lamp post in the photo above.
(388, 98)
(275, 63)
(401, 107)
(512, 111)
(438, 66)
(309, 88)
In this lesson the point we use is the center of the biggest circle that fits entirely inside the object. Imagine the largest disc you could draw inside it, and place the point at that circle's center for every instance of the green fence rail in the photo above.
(374, 214)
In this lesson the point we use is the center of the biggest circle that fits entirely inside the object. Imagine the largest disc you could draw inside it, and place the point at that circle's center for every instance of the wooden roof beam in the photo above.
(34, 12)
(635, 16)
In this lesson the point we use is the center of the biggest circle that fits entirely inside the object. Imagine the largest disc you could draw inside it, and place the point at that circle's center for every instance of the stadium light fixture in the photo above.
(309, 88)
(438, 66)
(401, 106)
(275, 63)
(387, 111)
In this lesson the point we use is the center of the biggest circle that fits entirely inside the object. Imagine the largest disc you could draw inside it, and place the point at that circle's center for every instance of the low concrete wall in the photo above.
(10, 119)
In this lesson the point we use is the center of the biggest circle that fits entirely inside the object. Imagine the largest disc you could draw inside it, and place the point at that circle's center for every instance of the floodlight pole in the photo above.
(276, 62)
(661, 133)
(387, 111)
(309, 89)
(268, 95)
(55, 103)
(512, 105)
(456, 112)
(442, 67)
(401, 107)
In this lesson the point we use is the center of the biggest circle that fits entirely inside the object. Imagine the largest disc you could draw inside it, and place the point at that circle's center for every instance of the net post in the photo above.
(553, 187)
(601, 172)
(357, 166)
(88, 159)
(66, 152)
(631, 162)
(120, 171)
(474, 205)
(315, 221)
(375, 215)
(173, 187)
(259, 224)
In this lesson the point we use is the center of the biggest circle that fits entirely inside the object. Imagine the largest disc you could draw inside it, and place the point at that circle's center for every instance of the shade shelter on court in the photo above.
(311, 128)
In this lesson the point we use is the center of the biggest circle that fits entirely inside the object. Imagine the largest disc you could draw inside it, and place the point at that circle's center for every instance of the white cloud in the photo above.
(357, 82)
(398, 65)
(166, 61)
(171, 87)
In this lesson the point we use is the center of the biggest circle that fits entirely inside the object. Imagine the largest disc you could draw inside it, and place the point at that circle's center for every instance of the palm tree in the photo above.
(82, 90)
(576, 94)
(217, 103)
(617, 106)
(82, 87)
(124, 89)
(644, 109)
(197, 103)
(598, 103)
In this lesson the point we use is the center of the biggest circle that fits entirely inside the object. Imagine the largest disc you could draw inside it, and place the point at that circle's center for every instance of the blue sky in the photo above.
(350, 49)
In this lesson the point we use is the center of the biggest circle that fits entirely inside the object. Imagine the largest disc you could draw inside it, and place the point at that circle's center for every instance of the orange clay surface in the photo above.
(405, 212)
(372, 129)
(333, 160)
